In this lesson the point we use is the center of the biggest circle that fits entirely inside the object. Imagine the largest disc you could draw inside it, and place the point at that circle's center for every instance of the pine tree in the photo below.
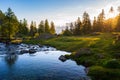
(94, 28)
(77, 30)
(11, 24)
(100, 21)
(118, 24)
(111, 10)
(47, 27)
(33, 29)
(108, 27)
(86, 24)
(41, 27)
(2, 18)
(52, 29)
(71, 28)
(23, 29)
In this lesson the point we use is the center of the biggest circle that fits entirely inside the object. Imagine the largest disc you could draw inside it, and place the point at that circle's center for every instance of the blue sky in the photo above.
(59, 11)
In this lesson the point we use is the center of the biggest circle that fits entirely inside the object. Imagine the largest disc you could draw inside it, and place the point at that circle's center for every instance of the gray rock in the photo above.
(32, 51)
(40, 45)
(24, 51)
(62, 58)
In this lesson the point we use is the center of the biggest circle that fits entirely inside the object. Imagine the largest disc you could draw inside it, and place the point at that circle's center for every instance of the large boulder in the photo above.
(62, 58)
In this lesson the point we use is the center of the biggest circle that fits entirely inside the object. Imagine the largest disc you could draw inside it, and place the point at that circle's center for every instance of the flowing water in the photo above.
(42, 65)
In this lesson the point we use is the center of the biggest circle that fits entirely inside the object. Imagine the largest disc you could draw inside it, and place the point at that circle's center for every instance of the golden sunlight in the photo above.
(111, 15)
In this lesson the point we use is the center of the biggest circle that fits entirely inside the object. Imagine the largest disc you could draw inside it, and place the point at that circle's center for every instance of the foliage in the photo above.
(9, 24)
(23, 28)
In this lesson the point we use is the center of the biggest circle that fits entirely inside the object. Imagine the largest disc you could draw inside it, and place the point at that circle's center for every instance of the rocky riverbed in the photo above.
(23, 48)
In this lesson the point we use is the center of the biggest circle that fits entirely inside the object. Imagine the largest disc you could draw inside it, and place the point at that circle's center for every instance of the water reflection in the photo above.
(10, 59)
(11, 56)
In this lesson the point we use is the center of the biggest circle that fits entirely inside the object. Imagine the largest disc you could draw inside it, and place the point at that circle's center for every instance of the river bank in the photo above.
(98, 52)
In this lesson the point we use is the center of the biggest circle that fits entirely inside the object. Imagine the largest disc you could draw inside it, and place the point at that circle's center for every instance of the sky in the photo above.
(58, 11)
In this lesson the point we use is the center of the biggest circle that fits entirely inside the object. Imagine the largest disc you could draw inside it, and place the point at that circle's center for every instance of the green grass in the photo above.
(72, 44)
(102, 44)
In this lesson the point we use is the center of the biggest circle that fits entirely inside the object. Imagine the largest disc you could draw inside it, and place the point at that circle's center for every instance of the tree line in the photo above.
(11, 27)
(99, 24)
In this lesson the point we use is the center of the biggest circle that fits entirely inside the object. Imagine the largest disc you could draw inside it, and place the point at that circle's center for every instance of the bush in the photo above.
(113, 63)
